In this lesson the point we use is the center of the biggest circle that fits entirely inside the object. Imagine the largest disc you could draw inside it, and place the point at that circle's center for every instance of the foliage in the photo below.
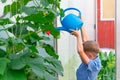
(107, 71)
(25, 23)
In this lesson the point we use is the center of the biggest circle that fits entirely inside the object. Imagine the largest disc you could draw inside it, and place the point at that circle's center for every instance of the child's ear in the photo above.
(90, 56)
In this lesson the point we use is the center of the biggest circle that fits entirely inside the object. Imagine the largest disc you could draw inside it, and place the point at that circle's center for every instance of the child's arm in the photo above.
(80, 50)
(84, 34)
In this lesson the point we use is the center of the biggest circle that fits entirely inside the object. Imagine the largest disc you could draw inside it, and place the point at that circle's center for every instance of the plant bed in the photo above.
(107, 71)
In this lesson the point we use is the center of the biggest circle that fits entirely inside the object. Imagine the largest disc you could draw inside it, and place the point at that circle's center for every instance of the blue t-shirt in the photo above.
(89, 71)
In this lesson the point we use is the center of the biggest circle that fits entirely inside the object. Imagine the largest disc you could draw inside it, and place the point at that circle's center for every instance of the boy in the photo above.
(88, 52)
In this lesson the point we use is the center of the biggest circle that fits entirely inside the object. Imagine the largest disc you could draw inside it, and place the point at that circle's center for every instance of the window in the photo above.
(107, 10)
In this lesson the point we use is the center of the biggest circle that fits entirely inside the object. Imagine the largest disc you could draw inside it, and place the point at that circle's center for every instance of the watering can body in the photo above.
(70, 21)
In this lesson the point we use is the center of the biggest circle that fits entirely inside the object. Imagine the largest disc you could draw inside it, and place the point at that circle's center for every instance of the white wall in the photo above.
(117, 39)
(67, 43)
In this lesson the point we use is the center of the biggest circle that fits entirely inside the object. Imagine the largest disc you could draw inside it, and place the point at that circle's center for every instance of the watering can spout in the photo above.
(61, 28)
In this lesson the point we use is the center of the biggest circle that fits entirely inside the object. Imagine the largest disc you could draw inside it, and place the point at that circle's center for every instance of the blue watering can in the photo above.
(70, 21)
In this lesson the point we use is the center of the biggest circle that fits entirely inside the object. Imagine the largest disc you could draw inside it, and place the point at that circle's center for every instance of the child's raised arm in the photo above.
(80, 49)
(84, 34)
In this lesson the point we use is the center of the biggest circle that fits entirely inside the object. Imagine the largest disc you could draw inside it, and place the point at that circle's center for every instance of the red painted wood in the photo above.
(105, 29)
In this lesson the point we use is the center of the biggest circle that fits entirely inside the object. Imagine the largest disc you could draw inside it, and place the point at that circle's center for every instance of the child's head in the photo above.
(91, 49)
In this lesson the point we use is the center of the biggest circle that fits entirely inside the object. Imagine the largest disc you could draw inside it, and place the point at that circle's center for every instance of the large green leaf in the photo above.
(17, 64)
(54, 65)
(50, 17)
(37, 66)
(44, 2)
(49, 76)
(33, 49)
(55, 12)
(5, 21)
(13, 8)
(3, 65)
(15, 75)
(34, 37)
(29, 10)
(2, 53)
(20, 60)
(24, 1)
(50, 50)
(24, 52)
(15, 45)
(36, 18)
(3, 42)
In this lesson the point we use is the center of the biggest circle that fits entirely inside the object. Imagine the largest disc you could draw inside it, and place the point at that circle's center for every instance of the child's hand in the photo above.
(75, 33)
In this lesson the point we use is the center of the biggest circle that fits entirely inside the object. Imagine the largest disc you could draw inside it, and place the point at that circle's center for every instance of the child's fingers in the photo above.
(76, 28)
(71, 30)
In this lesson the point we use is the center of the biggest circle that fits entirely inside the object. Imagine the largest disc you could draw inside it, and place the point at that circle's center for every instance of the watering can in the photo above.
(70, 21)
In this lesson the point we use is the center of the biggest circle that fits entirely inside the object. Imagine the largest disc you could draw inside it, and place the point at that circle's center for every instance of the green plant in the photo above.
(28, 21)
(107, 71)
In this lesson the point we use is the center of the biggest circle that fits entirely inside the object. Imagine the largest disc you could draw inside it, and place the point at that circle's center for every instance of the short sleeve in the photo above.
(94, 65)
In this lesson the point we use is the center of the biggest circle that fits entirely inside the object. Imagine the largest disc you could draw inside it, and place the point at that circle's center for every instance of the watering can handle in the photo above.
(70, 9)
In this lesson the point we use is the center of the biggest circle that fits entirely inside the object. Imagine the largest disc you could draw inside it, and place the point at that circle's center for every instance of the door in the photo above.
(105, 23)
